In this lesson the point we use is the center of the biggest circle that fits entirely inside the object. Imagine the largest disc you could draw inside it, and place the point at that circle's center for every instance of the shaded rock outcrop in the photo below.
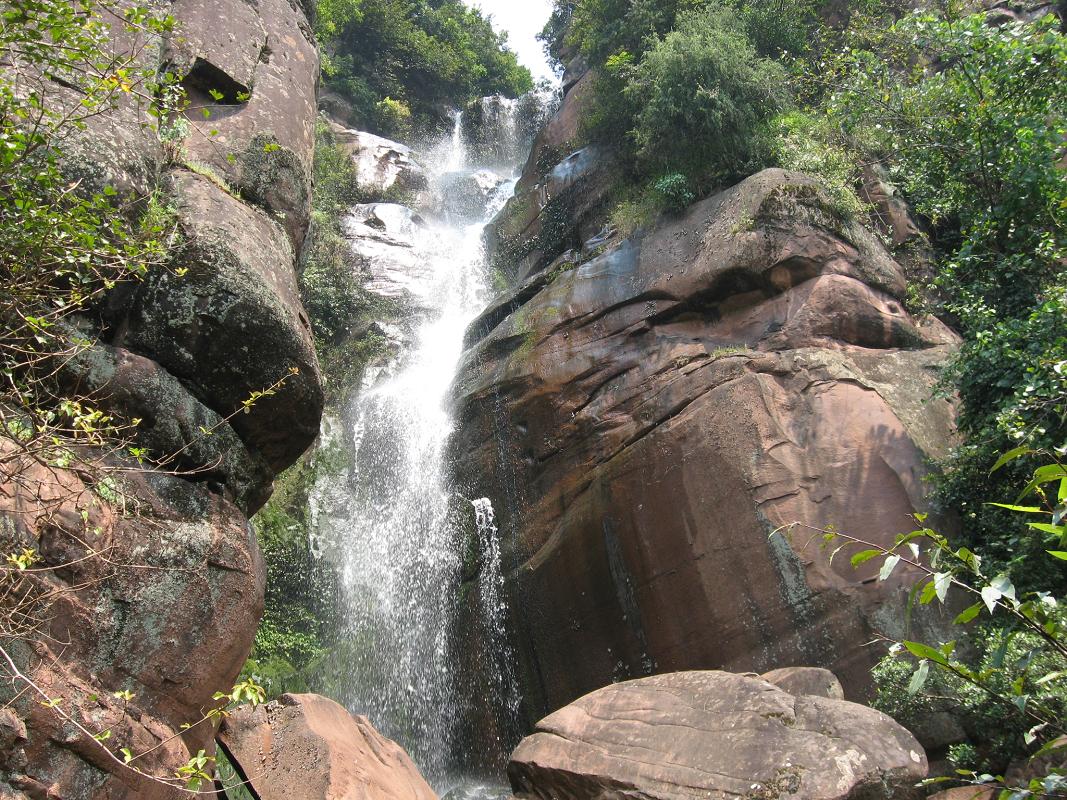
(165, 611)
(645, 411)
(150, 584)
(306, 747)
(715, 735)
(228, 320)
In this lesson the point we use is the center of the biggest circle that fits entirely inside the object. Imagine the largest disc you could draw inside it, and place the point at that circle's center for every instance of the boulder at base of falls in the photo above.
(715, 735)
(307, 747)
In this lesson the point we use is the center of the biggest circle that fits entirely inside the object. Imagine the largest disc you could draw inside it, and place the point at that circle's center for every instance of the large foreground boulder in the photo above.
(715, 735)
(307, 747)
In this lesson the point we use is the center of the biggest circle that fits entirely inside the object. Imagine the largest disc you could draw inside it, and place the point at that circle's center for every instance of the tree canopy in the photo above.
(424, 54)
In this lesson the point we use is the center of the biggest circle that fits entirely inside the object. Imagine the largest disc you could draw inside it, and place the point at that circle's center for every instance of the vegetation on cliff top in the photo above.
(402, 64)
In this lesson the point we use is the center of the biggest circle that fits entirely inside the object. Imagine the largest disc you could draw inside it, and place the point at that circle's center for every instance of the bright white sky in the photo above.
(522, 20)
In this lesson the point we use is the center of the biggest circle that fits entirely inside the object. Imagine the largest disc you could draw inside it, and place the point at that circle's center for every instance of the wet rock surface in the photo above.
(381, 164)
(382, 238)
(307, 747)
(645, 411)
(715, 735)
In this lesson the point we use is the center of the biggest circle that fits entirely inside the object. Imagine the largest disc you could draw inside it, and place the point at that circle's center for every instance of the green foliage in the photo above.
(330, 291)
(674, 191)
(997, 730)
(1004, 678)
(972, 119)
(293, 636)
(640, 206)
(683, 87)
(393, 118)
(65, 242)
(780, 27)
(809, 143)
(600, 28)
(417, 53)
(555, 31)
(702, 95)
(332, 17)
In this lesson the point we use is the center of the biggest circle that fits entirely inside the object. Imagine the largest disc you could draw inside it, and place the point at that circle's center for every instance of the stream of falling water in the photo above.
(388, 521)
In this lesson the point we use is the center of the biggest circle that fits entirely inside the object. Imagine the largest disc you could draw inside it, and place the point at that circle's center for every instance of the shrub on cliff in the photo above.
(599, 29)
(702, 96)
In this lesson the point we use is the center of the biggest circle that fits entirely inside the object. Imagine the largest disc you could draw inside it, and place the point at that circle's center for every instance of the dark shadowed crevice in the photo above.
(246, 785)
(207, 77)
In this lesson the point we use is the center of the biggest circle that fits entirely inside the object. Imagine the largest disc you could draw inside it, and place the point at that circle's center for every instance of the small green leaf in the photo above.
(1022, 509)
(1044, 527)
(921, 650)
(1009, 456)
(865, 556)
(968, 615)
(1052, 676)
(216, 95)
(918, 679)
(1060, 554)
(928, 594)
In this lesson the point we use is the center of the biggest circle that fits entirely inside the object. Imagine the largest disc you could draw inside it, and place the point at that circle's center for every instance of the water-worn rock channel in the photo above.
(405, 544)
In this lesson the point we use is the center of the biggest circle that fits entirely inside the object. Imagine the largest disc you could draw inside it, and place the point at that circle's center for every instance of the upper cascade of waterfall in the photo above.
(424, 650)
(498, 131)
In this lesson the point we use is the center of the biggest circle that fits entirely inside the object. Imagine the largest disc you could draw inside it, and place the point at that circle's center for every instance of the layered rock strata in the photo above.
(644, 412)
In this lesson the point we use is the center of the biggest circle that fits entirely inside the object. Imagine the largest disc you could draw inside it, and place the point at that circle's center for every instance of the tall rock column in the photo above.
(155, 580)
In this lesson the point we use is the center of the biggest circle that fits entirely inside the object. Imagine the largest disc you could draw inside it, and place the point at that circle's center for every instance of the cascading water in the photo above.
(388, 522)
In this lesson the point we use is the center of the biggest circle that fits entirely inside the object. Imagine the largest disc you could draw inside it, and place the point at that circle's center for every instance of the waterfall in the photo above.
(398, 537)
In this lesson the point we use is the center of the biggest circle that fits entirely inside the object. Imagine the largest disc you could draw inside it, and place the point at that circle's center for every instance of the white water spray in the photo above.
(388, 522)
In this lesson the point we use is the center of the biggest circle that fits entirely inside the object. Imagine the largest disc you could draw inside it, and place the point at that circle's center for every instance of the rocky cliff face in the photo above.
(162, 586)
(644, 411)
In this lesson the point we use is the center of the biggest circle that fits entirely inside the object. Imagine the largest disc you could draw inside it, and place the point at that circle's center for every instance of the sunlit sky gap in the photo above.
(522, 20)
